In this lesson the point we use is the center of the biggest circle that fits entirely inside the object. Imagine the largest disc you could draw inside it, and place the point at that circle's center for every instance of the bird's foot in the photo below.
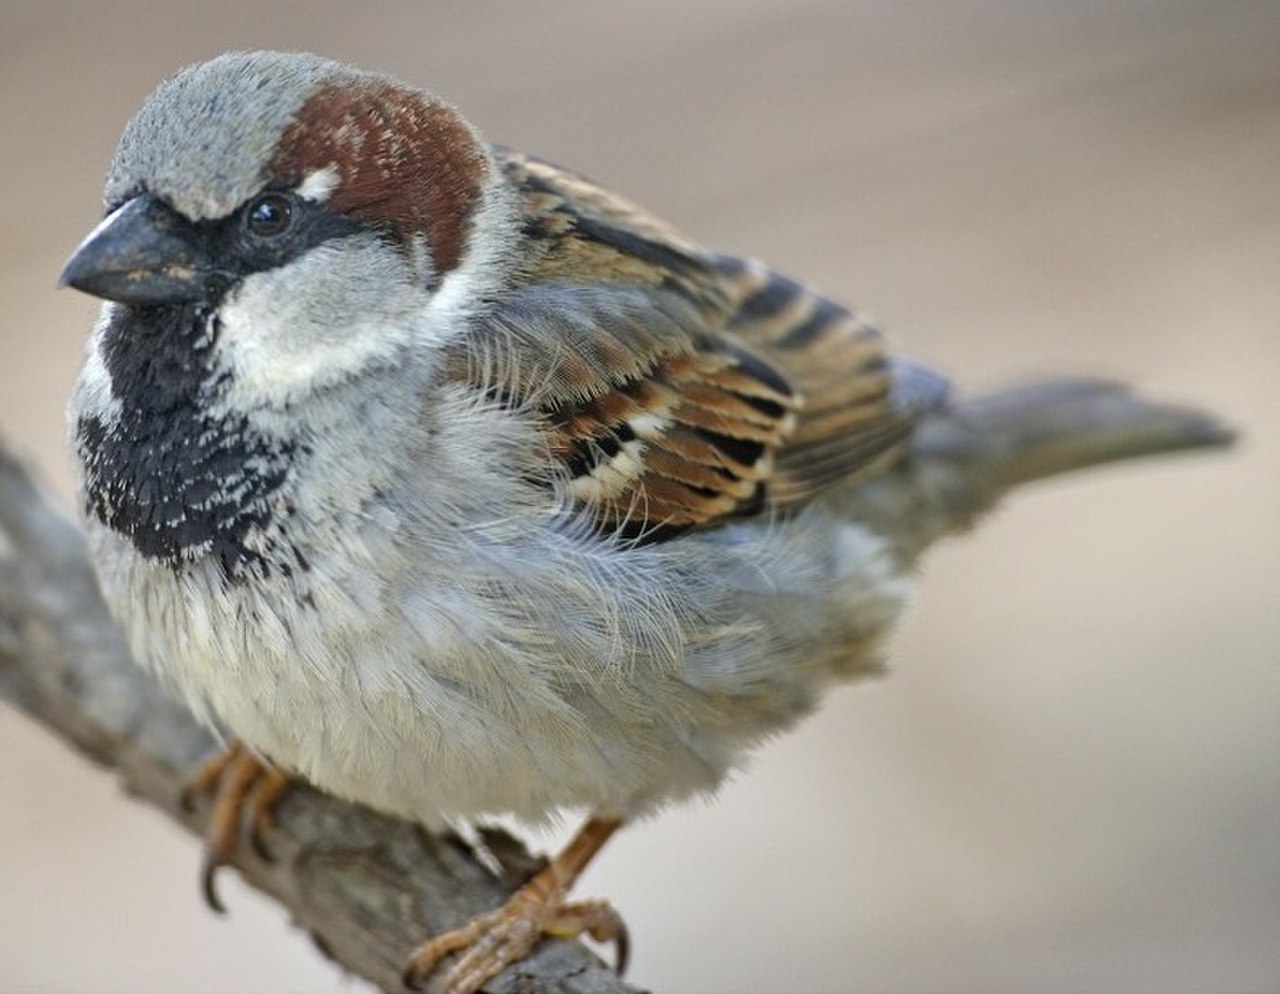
(489, 943)
(243, 789)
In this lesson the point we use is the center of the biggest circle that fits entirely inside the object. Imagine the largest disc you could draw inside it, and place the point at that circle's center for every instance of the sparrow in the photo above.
(457, 485)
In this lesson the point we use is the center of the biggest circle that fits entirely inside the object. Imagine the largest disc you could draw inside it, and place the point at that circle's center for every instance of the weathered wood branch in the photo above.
(368, 888)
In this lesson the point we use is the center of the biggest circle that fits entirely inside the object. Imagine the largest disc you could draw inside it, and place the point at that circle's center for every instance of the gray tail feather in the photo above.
(1042, 429)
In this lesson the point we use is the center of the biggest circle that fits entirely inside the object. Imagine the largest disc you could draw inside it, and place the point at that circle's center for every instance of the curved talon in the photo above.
(621, 949)
(209, 867)
(598, 919)
(238, 781)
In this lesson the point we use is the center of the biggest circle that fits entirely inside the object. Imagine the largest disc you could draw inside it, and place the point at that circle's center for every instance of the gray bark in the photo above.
(366, 887)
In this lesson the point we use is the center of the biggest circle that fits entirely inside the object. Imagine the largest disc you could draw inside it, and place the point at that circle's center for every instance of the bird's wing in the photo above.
(675, 388)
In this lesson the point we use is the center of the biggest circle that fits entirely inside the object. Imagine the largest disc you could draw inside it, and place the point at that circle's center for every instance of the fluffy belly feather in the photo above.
(446, 704)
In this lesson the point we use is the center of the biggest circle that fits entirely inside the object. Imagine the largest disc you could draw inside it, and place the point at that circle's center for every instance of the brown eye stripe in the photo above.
(406, 162)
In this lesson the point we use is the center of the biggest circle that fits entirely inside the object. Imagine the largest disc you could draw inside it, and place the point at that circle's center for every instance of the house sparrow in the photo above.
(457, 485)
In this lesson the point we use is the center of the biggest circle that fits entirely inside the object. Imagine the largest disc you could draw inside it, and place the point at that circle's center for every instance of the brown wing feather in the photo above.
(676, 388)
(859, 404)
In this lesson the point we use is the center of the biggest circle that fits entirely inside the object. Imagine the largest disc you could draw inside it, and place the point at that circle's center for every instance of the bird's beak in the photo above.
(142, 253)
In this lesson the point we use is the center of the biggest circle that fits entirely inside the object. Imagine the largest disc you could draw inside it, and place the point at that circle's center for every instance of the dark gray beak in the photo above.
(142, 253)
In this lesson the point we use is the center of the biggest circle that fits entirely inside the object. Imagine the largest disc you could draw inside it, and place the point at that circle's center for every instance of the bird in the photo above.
(448, 481)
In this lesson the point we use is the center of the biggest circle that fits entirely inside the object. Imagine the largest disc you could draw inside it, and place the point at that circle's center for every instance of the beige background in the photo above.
(1071, 780)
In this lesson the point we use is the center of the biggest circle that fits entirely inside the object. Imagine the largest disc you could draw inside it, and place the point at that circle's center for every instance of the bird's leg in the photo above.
(490, 943)
(239, 783)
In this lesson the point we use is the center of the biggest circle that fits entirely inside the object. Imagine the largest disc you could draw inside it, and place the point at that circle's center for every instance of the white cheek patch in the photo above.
(341, 308)
(273, 362)
(319, 185)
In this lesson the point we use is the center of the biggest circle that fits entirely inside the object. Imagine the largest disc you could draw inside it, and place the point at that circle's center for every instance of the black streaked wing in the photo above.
(859, 402)
(681, 389)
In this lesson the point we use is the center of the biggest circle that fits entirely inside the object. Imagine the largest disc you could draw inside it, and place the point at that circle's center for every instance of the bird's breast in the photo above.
(161, 465)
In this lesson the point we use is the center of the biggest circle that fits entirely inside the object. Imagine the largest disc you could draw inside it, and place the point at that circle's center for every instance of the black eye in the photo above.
(268, 215)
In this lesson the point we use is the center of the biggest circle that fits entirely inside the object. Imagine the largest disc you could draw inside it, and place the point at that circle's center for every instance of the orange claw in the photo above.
(238, 782)
(490, 943)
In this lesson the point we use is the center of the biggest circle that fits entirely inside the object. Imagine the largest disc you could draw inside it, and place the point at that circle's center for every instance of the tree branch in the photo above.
(367, 888)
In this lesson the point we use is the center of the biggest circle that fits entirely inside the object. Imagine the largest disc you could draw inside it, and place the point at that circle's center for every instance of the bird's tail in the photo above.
(1031, 432)
(968, 453)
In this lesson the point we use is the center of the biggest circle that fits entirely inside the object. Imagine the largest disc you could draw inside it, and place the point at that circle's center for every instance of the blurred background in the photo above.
(1071, 778)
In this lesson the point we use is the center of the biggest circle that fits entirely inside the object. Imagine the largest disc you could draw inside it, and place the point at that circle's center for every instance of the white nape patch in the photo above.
(319, 185)
(487, 260)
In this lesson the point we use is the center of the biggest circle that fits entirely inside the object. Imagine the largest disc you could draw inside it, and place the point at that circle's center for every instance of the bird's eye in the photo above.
(268, 215)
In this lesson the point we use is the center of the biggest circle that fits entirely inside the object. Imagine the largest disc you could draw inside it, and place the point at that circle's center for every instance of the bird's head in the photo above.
(318, 216)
